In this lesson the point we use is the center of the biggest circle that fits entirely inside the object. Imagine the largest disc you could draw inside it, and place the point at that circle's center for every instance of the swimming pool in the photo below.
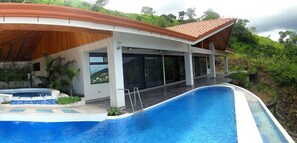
(202, 115)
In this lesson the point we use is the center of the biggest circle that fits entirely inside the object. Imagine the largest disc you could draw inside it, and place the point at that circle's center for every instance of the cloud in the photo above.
(286, 19)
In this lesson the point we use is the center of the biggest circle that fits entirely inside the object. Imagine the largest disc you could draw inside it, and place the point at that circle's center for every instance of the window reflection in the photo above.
(98, 68)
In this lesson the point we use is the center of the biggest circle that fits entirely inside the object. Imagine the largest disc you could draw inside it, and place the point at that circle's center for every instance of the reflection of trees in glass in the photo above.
(153, 66)
(174, 68)
(200, 66)
(181, 68)
(98, 68)
(133, 71)
(100, 76)
(169, 68)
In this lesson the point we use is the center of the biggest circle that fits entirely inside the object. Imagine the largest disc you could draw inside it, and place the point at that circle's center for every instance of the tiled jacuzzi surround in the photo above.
(29, 96)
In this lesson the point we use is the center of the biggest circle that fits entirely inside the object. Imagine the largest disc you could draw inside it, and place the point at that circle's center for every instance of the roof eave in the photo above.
(214, 31)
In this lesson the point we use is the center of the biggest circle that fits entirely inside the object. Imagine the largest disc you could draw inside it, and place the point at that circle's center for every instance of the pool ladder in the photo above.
(135, 90)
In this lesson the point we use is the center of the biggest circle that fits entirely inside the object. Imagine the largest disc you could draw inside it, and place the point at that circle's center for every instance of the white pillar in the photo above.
(189, 67)
(226, 64)
(212, 61)
(116, 78)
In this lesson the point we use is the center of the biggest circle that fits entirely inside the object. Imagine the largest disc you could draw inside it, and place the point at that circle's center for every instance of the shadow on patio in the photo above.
(156, 95)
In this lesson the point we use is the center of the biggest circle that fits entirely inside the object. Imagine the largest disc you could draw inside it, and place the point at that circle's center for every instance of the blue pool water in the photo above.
(204, 115)
(269, 132)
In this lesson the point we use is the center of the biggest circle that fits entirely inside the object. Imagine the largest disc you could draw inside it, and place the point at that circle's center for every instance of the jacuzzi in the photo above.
(29, 96)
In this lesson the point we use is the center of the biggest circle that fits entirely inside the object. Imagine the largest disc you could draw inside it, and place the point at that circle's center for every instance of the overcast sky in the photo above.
(268, 16)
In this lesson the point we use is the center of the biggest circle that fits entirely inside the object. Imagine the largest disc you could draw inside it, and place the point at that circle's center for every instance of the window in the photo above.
(36, 66)
(98, 68)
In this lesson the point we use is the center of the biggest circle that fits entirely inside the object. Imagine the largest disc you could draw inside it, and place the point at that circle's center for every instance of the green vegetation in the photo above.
(59, 74)
(14, 73)
(271, 67)
(113, 111)
(68, 100)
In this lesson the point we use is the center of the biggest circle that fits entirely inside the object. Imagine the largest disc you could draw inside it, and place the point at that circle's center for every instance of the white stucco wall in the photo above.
(80, 54)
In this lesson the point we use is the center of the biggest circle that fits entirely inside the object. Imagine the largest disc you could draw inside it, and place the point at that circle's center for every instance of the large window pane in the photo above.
(133, 71)
(174, 68)
(153, 71)
(98, 68)
(200, 66)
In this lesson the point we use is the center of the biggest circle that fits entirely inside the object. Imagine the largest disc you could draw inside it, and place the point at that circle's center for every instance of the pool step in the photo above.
(53, 115)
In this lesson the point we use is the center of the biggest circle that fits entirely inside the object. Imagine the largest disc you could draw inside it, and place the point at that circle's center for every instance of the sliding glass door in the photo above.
(174, 68)
(153, 70)
(142, 71)
(200, 66)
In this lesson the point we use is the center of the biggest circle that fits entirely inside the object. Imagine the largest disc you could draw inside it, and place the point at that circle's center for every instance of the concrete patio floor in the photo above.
(156, 95)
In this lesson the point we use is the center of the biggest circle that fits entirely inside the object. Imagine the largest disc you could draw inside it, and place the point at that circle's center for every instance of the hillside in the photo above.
(273, 66)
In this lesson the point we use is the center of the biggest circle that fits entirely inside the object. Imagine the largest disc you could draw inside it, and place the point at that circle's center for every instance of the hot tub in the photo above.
(30, 95)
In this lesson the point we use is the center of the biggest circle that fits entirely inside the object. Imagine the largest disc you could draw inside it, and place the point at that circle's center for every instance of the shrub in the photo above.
(239, 79)
(252, 70)
(5, 102)
(68, 100)
(113, 111)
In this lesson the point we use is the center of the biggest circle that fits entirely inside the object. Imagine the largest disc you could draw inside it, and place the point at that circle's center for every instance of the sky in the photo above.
(268, 16)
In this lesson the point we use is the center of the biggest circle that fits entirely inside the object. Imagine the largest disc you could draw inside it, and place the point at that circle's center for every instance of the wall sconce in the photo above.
(119, 45)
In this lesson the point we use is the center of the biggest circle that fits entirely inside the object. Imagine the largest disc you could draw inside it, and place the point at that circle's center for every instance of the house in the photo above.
(111, 52)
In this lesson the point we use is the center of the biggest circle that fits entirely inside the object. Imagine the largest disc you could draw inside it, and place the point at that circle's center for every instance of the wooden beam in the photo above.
(16, 48)
(39, 27)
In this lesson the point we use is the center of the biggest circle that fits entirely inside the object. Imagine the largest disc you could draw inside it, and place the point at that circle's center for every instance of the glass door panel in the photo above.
(153, 70)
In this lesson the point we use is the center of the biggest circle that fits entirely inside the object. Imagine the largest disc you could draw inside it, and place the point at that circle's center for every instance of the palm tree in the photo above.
(59, 74)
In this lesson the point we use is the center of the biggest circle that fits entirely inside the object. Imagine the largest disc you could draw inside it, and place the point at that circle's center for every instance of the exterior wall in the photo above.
(80, 54)
(148, 42)
(83, 85)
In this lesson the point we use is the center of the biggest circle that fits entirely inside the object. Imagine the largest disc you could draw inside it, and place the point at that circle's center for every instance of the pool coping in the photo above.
(241, 106)
(274, 120)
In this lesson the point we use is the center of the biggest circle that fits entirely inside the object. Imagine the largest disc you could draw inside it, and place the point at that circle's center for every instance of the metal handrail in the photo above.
(129, 98)
(136, 90)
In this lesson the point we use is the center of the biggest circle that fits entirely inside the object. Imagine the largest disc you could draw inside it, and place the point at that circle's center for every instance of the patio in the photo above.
(156, 95)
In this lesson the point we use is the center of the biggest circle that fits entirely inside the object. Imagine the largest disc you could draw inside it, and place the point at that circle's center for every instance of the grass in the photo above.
(68, 100)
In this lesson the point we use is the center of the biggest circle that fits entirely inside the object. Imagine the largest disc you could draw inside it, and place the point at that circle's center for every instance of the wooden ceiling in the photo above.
(18, 44)
(28, 44)
(220, 40)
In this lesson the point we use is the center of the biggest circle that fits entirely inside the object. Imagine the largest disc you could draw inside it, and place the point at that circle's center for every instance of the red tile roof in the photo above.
(202, 28)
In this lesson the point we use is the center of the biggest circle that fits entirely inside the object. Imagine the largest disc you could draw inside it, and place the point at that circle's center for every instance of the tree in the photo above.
(147, 10)
(253, 30)
(99, 4)
(170, 17)
(59, 74)
(289, 40)
(242, 33)
(191, 13)
(181, 15)
(210, 14)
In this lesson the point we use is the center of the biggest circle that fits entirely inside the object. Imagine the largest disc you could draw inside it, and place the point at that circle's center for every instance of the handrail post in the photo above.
(136, 89)
(129, 98)
(134, 97)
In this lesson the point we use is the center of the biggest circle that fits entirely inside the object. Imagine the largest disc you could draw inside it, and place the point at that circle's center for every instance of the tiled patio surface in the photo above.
(153, 96)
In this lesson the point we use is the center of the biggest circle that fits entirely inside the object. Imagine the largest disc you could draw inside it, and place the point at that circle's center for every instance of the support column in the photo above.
(226, 64)
(212, 61)
(116, 78)
(189, 67)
